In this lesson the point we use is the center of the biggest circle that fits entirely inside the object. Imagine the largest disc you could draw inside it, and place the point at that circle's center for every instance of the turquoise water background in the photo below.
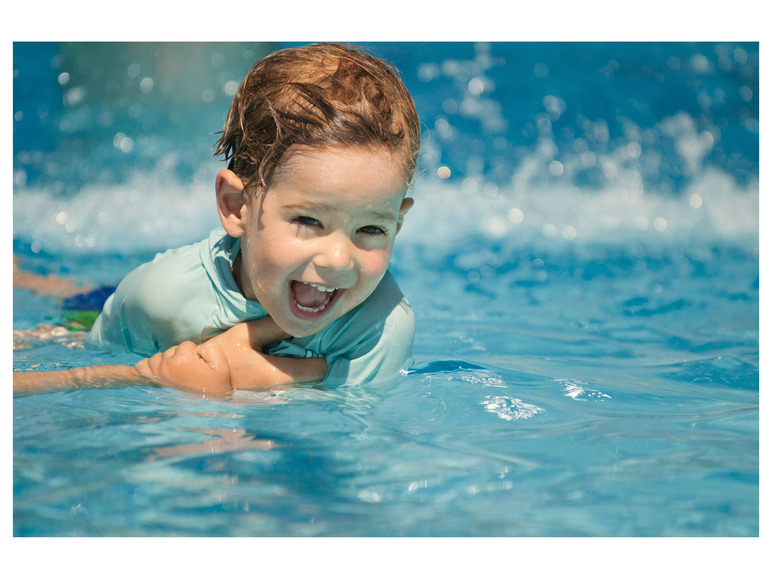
(583, 260)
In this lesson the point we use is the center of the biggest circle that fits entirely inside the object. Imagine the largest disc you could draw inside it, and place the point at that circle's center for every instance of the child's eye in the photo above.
(305, 220)
(372, 230)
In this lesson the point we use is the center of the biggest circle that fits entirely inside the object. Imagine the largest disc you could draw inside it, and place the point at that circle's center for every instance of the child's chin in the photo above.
(302, 326)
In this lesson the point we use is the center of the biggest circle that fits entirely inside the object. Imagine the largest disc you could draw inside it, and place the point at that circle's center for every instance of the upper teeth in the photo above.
(322, 288)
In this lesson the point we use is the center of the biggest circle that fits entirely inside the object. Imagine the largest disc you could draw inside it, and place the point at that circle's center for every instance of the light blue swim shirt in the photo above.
(189, 293)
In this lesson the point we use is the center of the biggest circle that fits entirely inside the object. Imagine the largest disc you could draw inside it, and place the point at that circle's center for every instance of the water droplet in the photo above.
(146, 84)
(476, 86)
(515, 215)
(208, 95)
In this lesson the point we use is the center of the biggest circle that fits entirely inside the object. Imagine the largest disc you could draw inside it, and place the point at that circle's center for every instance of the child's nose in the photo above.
(336, 255)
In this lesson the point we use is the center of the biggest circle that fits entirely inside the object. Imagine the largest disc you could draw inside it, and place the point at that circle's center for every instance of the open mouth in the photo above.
(311, 299)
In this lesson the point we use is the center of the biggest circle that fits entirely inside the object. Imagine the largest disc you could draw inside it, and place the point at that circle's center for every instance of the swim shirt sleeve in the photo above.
(146, 314)
(186, 293)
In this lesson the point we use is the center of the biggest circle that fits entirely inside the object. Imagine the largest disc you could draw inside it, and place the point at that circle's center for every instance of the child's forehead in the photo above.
(298, 156)
(339, 175)
(347, 163)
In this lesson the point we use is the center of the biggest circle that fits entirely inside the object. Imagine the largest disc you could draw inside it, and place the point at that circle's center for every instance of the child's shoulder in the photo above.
(387, 296)
(172, 278)
(180, 265)
(373, 340)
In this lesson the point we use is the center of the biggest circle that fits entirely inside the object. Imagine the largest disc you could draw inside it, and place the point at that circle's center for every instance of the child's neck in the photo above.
(236, 272)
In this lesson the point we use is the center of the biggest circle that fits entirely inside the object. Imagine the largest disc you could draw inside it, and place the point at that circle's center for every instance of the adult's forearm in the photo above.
(77, 378)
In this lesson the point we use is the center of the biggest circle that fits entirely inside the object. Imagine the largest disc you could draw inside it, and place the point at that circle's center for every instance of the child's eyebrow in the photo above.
(373, 214)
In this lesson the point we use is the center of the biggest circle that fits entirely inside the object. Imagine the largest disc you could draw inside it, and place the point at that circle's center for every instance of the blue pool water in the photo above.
(583, 261)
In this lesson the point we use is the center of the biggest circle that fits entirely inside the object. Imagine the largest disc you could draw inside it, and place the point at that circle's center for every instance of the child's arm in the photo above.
(250, 369)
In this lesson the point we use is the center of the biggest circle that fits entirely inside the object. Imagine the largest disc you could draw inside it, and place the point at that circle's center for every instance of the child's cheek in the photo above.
(374, 268)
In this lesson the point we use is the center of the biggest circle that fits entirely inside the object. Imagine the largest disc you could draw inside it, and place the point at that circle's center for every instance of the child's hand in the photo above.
(200, 369)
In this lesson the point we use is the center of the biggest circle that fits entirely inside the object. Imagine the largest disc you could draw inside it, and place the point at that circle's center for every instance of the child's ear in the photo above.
(230, 202)
(407, 203)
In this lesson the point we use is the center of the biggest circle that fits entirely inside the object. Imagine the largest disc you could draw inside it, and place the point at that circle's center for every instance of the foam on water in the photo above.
(152, 211)
(147, 212)
(713, 208)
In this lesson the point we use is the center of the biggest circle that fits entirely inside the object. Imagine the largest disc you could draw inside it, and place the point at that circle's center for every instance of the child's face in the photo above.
(317, 243)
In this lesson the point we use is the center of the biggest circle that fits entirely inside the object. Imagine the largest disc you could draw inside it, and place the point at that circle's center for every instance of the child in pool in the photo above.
(322, 143)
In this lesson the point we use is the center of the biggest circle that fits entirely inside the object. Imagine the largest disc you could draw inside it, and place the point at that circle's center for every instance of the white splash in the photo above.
(144, 213)
(578, 390)
(508, 408)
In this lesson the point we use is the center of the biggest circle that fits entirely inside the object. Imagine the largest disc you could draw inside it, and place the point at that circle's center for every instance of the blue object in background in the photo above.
(91, 300)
